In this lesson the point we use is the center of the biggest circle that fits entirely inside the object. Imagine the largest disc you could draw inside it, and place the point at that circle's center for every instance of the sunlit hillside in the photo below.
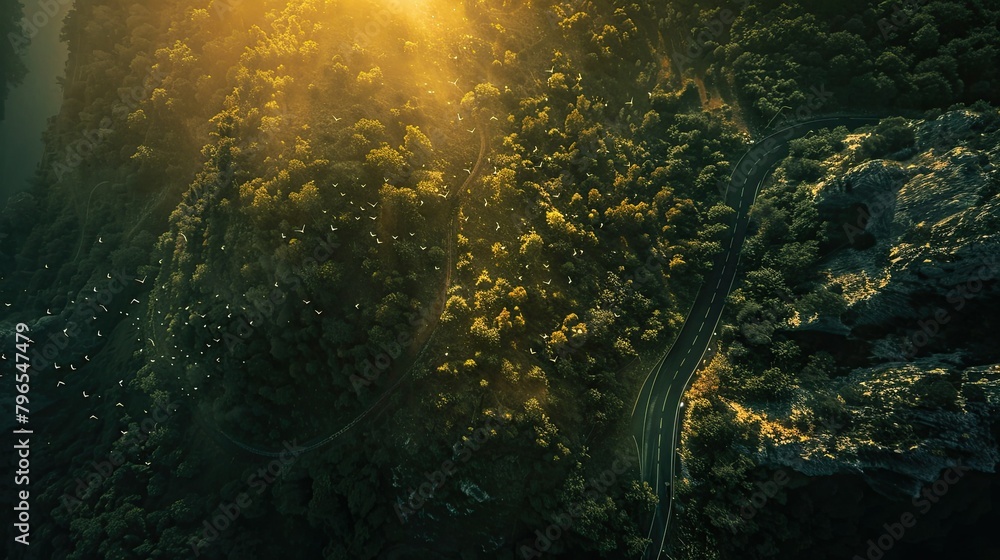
(402, 273)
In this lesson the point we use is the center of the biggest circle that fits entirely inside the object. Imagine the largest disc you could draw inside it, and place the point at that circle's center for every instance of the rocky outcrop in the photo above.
(897, 425)
(922, 293)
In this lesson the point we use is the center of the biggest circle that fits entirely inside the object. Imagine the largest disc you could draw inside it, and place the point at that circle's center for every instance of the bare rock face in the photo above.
(929, 228)
(919, 273)
(903, 428)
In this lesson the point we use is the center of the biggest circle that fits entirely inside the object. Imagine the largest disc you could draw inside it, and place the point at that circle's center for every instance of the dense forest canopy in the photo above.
(12, 69)
(417, 237)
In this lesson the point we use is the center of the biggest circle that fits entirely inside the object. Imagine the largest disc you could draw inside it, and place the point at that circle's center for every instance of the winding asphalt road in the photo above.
(656, 414)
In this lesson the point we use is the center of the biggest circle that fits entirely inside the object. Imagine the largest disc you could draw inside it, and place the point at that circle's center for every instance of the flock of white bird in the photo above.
(301, 230)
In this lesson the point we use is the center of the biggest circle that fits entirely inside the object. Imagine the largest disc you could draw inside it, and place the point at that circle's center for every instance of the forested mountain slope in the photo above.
(436, 244)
